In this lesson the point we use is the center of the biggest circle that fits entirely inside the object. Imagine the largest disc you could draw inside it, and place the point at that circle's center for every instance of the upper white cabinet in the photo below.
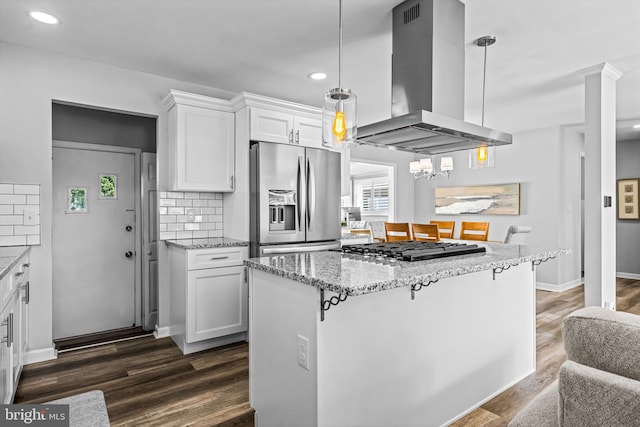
(201, 142)
(285, 127)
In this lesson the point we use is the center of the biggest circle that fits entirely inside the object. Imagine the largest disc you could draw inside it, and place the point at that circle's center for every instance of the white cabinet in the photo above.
(14, 324)
(201, 133)
(286, 127)
(209, 297)
(216, 303)
(6, 355)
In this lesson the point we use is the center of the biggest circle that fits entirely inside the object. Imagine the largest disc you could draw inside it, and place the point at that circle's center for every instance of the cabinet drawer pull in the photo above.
(215, 258)
(26, 265)
(19, 273)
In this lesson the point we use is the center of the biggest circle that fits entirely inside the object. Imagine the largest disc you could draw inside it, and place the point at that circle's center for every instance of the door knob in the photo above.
(128, 254)
(128, 228)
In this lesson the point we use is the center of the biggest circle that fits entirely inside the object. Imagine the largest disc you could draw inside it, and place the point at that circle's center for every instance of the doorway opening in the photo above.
(104, 225)
(372, 190)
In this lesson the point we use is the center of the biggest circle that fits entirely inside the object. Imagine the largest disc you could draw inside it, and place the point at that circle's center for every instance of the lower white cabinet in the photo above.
(14, 318)
(209, 297)
(6, 355)
(217, 303)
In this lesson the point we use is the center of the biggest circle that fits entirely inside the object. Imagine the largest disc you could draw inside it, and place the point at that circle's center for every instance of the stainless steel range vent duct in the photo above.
(428, 84)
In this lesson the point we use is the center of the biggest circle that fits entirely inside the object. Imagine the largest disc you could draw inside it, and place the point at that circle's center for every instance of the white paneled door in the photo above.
(94, 241)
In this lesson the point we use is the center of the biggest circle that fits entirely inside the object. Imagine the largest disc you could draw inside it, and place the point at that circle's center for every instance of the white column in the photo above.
(600, 183)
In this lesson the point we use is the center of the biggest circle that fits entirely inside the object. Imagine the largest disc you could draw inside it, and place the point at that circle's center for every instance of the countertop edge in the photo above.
(15, 260)
(505, 264)
(225, 242)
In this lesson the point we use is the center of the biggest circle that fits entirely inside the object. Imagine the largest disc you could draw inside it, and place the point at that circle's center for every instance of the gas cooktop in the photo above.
(411, 250)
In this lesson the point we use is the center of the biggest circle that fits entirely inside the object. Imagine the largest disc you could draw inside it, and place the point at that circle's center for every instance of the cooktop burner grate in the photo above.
(413, 251)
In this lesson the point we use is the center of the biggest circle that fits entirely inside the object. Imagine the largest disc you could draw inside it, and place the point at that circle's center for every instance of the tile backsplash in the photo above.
(19, 214)
(190, 215)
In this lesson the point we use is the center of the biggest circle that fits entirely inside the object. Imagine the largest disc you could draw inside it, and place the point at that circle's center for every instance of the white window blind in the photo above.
(372, 195)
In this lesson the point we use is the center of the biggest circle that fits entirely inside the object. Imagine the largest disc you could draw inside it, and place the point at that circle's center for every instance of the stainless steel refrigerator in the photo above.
(295, 199)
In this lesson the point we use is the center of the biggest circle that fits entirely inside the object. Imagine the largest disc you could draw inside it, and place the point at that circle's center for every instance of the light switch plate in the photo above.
(30, 217)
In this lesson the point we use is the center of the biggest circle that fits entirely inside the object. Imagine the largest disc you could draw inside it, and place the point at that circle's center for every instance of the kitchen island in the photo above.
(338, 341)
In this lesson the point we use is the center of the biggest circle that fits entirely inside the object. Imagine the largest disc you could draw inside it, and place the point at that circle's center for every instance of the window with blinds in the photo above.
(372, 195)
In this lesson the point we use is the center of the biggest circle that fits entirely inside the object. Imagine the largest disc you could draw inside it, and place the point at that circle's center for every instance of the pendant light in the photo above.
(339, 107)
(483, 156)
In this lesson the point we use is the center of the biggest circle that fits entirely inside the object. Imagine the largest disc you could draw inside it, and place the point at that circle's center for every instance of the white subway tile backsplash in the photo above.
(13, 240)
(176, 208)
(11, 220)
(27, 230)
(26, 189)
(184, 202)
(33, 240)
(165, 219)
(167, 202)
(175, 227)
(175, 211)
(167, 235)
(13, 199)
(184, 234)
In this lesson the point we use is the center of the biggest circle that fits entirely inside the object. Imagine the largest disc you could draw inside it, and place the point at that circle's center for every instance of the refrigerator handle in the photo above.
(299, 189)
(311, 194)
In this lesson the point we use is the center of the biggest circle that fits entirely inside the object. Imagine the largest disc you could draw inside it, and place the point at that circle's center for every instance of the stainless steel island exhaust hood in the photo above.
(428, 84)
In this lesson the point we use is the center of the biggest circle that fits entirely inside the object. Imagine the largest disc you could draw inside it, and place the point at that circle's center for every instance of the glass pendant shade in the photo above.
(339, 125)
(482, 157)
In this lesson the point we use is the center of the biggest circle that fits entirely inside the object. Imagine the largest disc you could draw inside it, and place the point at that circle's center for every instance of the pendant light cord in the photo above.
(484, 80)
(340, 44)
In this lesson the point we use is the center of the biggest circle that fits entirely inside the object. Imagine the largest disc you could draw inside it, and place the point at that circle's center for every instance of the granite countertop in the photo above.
(8, 257)
(341, 273)
(211, 242)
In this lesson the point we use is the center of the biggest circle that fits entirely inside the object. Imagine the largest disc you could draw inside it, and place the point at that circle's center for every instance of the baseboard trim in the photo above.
(633, 276)
(162, 332)
(40, 355)
(559, 287)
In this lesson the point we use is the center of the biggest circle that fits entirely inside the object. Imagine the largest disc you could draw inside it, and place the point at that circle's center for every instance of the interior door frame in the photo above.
(137, 152)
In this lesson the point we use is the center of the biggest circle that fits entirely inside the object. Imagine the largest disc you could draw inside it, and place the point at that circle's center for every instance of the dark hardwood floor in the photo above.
(148, 382)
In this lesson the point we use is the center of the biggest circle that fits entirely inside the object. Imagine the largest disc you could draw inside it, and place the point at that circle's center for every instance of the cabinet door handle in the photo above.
(9, 344)
(19, 273)
(231, 181)
(218, 258)
(297, 137)
(26, 296)
(7, 322)
(26, 265)
(291, 136)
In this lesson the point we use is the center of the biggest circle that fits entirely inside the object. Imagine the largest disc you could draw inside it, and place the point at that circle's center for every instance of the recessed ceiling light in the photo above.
(317, 76)
(44, 17)
(636, 126)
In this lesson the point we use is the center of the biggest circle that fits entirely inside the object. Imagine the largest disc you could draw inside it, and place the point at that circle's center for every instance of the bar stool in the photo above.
(425, 232)
(397, 231)
(474, 231)
(445, 228)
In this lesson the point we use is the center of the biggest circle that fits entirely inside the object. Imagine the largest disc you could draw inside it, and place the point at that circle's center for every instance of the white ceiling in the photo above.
(269, 47)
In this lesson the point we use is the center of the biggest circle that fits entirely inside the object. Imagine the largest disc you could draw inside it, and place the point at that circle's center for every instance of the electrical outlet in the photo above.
(303, 352)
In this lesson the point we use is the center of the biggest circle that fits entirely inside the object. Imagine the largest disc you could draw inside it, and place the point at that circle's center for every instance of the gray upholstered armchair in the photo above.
(599, 384)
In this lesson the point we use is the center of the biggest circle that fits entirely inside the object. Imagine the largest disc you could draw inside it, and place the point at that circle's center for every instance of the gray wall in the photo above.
(81, 124)
(628, 231)
(546, 163)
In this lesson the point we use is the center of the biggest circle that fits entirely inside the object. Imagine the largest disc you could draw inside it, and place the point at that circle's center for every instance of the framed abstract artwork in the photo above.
(628, 198)
(496, 199)
(77, 200)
